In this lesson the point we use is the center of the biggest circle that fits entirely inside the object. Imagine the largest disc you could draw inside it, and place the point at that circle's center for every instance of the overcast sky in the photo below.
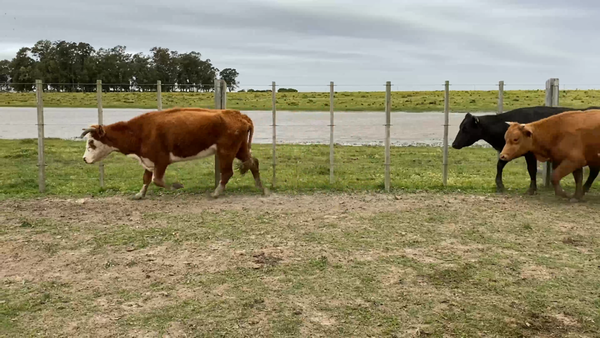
(416, 44)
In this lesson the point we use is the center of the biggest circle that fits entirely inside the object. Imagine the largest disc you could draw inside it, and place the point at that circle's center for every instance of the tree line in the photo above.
(75, 67)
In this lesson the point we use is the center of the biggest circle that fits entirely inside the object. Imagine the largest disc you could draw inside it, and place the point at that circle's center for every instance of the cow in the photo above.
(491, 128)
(570, 140)
(159, 138)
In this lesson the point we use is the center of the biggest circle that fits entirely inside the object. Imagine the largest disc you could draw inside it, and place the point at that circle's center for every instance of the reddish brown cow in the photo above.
(571, 140)
(159, 138)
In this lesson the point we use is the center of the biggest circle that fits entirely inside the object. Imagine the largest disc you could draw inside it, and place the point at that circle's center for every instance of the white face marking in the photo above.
(95, 150)
(204, 153)
(144, 162)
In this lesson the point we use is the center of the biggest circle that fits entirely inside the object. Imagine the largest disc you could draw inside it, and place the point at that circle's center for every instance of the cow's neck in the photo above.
(490, 134)
(542, 143)
(120, 136)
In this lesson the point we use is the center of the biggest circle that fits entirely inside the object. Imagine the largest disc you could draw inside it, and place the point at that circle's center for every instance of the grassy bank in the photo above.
(413, 101)
(300, 266)
(300, 168)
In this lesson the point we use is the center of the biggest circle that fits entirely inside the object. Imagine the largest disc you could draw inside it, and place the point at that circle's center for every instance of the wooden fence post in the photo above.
(100, 122)
(388, 109)
(220, 103)
(500, 97)
(40, 122)
(446, 118)
(159, 94)
(331, 156)
(552, 94)
(274, 113)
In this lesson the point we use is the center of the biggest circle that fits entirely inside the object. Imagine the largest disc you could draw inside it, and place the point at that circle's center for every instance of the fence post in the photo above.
(500, 97)
(274, 113)
(220, 103)
(551, 101)
(40, 122)
(331, 157)
(100, 122)
(388, 108)
(446, 117)
(159, 94)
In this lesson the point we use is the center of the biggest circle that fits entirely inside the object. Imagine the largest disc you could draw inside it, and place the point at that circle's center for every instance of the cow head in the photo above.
(519, 140)
(96, 146)
(469, 132)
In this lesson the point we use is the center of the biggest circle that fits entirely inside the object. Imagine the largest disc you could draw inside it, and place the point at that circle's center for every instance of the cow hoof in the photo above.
(499, 190)
(214, 196)
(531, 192)
(266, 192)
(137, 197)
(575, 200)
(176, 186)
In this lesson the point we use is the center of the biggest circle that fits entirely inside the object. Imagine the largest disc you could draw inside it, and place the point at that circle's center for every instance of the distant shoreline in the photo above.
(405, 101)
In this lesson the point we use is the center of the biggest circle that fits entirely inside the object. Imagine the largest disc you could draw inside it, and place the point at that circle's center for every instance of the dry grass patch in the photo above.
(328, 265)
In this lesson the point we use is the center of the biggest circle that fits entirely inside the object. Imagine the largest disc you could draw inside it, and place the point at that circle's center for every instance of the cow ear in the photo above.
(476, 119)
(100, 130)
(526, 130)
(509, 123)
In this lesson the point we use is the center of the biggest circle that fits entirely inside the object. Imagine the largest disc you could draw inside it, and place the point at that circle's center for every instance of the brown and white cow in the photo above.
(570, 140)
(159, 138)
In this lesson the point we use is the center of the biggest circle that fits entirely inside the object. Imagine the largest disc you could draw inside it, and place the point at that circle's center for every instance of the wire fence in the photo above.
(398, 149)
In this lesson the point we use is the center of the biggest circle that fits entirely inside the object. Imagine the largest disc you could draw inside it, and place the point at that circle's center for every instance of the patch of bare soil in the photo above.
(61, 242)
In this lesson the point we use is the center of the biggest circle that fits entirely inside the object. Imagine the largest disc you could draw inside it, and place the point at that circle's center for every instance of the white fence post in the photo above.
(552, 94)
(388, 109)
(446, 117)
(274, 100)
(159, 94)
(40, 122)
(100, 122)
(331, 156)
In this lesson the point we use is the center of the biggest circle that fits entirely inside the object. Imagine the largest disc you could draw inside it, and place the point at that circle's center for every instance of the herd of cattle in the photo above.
(568, 138)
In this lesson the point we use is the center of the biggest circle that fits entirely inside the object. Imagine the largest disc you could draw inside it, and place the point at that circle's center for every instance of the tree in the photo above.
(75, 66)
(114, 68)
(165, 65)
(190, 70)
(230, 75)
(23, 72)
(4, 74)
(143, 72)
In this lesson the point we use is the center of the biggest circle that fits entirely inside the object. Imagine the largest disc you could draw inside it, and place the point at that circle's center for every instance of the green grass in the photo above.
(412, 101)
(300, 168)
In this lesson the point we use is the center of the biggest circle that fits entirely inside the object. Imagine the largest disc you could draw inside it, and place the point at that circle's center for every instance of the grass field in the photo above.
(311, 259)
(412, 101)
(320, 265)
(300, 168)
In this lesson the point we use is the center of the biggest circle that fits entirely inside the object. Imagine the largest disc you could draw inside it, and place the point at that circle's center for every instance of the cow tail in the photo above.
(250, 133)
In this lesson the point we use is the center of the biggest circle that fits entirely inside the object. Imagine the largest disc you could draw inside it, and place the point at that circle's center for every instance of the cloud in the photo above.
(412, 43)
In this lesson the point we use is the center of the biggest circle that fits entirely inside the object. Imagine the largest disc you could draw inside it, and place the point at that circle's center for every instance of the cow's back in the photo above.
(181, 131)
(571, 132)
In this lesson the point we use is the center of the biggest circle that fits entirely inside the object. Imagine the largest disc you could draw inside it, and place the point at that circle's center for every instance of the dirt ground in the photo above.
(303, 265)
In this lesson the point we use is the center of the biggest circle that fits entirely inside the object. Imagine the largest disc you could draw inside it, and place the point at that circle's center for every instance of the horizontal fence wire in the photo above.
(300, 161)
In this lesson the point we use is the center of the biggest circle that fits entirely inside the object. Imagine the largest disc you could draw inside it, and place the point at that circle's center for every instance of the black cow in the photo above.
(491, 128)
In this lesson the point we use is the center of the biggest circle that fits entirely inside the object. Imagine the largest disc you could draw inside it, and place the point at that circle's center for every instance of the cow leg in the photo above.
(532, 169)
(559, 171)
(499, 169)
(578, 176)
(226, 166)
(158, 179)
(593, 174)
(147, 179)
(251, 163)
